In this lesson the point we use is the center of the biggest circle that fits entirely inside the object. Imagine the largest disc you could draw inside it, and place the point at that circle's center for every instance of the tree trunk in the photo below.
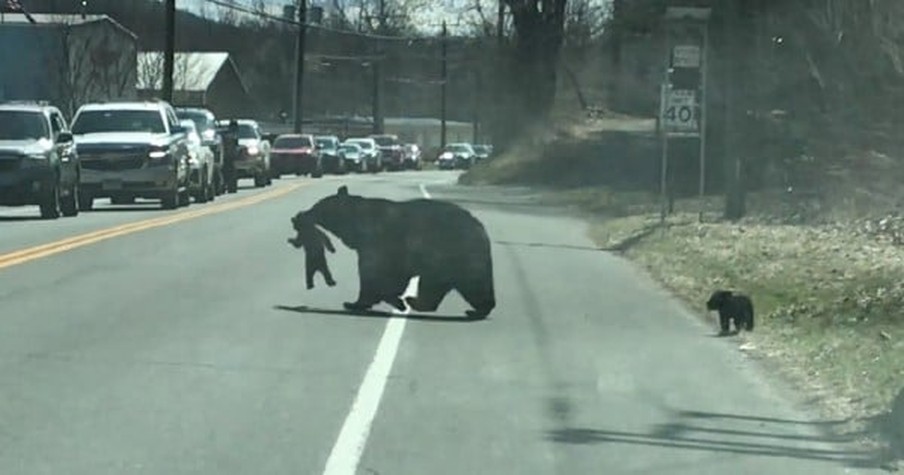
(539, 27)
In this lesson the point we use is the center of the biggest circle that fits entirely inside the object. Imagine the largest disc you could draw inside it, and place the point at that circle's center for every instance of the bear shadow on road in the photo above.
(734, 436)
(378, 314)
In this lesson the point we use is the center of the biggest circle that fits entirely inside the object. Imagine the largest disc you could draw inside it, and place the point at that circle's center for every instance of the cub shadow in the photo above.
(378, 314)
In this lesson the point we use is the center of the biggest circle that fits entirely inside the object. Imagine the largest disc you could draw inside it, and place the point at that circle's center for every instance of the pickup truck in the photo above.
(131, 150)
(392, 150)
(38, 163)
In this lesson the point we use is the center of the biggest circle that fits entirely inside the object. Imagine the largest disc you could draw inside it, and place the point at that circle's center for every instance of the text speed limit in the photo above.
(679, 112)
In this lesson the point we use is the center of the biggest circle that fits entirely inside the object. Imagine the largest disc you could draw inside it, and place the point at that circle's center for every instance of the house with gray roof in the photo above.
(200, 79)
(67, 60)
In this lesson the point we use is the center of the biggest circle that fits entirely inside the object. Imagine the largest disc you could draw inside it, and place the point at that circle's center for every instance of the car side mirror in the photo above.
(64, 137)
(178, 129)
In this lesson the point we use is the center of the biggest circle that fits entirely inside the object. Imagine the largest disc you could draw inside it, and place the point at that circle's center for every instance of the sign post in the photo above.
(683, 98)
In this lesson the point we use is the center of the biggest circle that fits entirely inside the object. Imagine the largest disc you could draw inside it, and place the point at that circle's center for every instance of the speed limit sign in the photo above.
(679, 111)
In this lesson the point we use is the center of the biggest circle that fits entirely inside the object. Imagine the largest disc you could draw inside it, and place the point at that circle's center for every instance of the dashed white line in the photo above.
(349, 447)
(424, 191)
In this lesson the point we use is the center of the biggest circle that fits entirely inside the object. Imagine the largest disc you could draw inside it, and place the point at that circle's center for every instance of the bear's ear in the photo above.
(343, 191)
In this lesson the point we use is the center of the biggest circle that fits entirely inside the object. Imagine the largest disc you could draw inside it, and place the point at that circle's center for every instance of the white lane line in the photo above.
(349, 447)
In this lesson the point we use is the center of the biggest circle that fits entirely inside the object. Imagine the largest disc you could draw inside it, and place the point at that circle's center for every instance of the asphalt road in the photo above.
(184, 342)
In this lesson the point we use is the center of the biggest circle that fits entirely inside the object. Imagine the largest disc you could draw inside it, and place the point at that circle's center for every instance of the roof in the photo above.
(118, 106)
(25, 106)
(192, 71)
(55, 19)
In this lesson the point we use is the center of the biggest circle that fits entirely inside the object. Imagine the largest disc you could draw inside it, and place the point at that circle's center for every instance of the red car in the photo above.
(295, 153)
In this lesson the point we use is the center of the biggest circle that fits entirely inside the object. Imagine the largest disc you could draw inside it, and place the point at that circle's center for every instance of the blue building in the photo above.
(67, 60)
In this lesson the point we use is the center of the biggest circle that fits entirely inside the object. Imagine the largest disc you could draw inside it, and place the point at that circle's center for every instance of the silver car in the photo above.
(372, 160)
(131, 150)
(201, 165)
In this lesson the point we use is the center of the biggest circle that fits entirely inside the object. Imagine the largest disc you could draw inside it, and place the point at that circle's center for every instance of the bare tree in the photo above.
(187, 71)
(93, 61)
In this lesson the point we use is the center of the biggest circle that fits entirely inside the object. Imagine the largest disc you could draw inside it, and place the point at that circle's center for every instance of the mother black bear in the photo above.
(440, 242)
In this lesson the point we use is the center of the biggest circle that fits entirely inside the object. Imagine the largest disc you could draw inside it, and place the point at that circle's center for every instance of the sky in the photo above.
(427, 14)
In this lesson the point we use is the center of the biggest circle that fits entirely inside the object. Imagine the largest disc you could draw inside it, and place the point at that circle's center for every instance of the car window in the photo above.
(292, 142)
(55, 126)
(248, 131)
(23, 125)
(98, 121)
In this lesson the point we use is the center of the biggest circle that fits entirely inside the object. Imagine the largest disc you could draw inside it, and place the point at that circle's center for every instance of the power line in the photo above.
(281, 19)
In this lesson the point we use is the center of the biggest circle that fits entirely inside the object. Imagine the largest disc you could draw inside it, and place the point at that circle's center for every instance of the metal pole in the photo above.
(444, 77)
(704, 67)
(298, 103)
(475, 125)
(169, 52)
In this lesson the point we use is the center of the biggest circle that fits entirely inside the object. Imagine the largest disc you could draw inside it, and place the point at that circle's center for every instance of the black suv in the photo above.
(38, 162)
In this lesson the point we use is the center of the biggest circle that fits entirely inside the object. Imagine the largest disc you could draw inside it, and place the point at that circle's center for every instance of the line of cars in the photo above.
(315, 155)
(122, 151)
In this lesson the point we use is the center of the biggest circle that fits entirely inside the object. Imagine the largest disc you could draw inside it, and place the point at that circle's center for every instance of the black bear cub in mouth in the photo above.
(314, 241)
(732, 307)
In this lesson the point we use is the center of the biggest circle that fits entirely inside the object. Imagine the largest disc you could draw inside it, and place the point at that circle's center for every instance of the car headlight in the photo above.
(209, 134)
(253, 150)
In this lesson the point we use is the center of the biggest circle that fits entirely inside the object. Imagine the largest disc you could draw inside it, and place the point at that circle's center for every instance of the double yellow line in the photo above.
(49, 249)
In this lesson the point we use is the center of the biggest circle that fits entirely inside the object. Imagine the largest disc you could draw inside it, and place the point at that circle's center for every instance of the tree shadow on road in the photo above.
(767, 439)
(890, 427)
(378, 314)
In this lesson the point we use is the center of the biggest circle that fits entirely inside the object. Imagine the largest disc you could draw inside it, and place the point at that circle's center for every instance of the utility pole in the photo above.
(169, 52)
(475, 120)
(443, 78)
(297, 104)
(735, 29)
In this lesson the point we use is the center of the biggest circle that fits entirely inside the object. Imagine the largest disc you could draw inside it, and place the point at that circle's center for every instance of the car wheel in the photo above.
(259, 181)
(184, 198)
(170, 200)
(85, 202)
(50, 205)
(70, 204)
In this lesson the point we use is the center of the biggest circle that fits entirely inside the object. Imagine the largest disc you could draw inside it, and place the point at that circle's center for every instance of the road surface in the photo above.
(184, 342)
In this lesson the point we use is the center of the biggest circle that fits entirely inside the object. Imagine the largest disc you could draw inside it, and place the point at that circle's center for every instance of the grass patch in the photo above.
(830, 304)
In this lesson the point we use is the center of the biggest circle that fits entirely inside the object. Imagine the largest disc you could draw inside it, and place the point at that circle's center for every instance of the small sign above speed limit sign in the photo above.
(679, 111)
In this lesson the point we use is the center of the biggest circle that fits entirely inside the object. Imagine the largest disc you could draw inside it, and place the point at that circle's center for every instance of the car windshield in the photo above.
(459, 148)
(364, 144)
(99, 121)
(248, 131)
(384, 141)
(348, 148)
(292, 142)
(201, 120)
(325, 143)
(23, 125)
(481, 149)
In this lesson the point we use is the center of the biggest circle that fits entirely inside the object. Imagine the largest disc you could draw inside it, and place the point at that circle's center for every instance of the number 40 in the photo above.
(681, 114)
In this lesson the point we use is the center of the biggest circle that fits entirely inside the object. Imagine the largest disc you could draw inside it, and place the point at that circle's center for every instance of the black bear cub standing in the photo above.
(732, 307)
(313, 240)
